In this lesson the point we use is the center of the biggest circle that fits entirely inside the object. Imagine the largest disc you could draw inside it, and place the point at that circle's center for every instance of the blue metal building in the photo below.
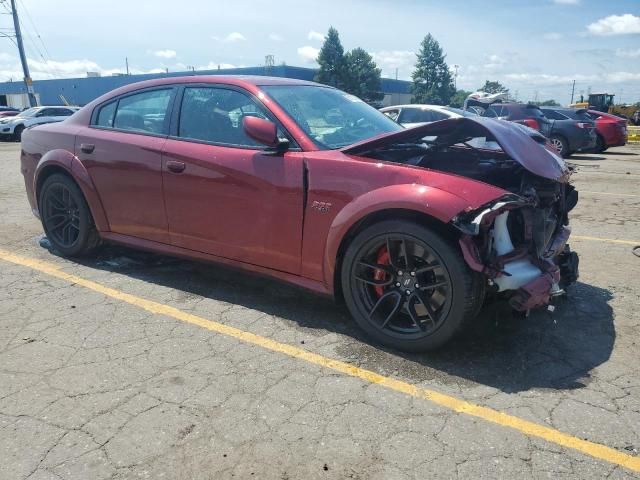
(80, 91)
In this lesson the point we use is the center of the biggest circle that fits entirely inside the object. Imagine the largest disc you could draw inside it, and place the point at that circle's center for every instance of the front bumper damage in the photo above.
(527, 256)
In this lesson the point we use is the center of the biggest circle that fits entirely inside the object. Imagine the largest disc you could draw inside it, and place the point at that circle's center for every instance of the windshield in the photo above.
(332, 119)
(29, 112)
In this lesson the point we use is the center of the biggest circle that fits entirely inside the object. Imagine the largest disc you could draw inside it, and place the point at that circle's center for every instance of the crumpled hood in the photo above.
(524, 145)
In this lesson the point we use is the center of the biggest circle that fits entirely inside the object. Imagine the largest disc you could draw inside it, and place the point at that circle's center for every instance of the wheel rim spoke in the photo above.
(394, 310)
(427, 268)
(378, 282)
(433, 316)
(414, 315)
(431, 286)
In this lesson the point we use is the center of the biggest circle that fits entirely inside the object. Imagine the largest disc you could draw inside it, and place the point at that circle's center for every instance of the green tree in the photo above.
(458, 98)
(432, 80)
(493, 87)
(547, 103)
(362, 76)
(331, 60)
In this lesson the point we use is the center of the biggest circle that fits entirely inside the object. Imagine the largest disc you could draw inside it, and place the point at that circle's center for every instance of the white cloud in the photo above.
(231, 38)
(615, 25)
(494, 62)
(548, 80)
(552, 36)
(313, 35)
(389, 60)
(627, 53)
(165, 53)
(308, 54)
(567, 2)
(215, 65)
(274, 37)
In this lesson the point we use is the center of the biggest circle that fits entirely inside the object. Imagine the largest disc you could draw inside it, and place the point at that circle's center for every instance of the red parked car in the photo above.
(612, 130)
(307, 184)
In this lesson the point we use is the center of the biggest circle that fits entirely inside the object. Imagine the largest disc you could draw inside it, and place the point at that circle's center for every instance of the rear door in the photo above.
(226, 195)
(121, 150)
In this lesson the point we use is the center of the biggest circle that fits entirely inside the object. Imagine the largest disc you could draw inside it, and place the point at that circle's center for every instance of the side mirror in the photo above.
(262, 131)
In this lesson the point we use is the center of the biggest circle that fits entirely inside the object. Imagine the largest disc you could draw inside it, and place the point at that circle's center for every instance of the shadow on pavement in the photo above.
(512, 354)
(586, 157)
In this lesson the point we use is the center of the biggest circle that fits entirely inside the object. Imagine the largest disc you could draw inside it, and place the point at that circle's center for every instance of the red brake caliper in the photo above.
(382, 259)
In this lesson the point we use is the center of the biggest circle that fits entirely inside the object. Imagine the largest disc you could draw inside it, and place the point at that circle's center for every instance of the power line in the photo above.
(35, 29)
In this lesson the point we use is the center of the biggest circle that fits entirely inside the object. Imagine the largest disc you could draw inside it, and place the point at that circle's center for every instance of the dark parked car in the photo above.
(573, 130)
(524, 113)
(611, 130)
(310, 185)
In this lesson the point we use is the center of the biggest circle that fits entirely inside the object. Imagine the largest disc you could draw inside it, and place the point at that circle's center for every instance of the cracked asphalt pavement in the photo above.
(92, 387)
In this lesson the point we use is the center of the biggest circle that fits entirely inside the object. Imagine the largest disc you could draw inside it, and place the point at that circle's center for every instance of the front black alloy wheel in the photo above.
(66, 217)
(407, 287)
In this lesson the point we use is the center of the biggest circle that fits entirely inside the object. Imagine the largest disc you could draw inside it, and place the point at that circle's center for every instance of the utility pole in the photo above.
(573, 89)
(455, 77)
(23, 58)
(126, 63)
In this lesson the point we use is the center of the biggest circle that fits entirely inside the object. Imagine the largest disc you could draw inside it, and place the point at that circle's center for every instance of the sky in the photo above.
(534, 47)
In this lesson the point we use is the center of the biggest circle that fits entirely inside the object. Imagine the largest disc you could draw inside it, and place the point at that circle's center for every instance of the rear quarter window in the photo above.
(105, 115)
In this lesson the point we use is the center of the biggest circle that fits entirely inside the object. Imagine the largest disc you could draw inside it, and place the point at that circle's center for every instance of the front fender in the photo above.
(431, 201)
(63, 159)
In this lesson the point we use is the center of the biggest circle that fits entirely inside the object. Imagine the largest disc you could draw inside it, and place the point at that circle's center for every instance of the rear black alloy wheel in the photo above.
(407, 287)
(66, 217)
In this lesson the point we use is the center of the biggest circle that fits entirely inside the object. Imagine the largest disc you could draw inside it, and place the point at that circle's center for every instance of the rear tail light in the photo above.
(584, 125)
(531, 123)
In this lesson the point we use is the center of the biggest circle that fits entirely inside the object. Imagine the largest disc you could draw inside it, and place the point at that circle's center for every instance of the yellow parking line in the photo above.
(552, 435)
(609, 193)
(606, 240)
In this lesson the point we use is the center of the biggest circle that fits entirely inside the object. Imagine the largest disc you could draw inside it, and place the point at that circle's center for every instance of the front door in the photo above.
(122, 151)
(225, 194)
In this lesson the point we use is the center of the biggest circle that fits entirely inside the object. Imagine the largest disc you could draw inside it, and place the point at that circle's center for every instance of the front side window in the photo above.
(215, 115)
(331, 118)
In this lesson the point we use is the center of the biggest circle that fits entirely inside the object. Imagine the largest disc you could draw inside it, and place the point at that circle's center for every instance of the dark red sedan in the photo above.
(611, 129)
(307, 184)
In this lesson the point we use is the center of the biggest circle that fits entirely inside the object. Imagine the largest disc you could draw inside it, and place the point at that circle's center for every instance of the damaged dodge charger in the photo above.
(412, 228)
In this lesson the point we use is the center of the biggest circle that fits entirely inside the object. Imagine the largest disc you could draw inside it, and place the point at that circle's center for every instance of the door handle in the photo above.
(87, 147)
(175, 167)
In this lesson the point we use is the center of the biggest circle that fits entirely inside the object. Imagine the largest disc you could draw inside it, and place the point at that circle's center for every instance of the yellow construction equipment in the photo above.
(603, 102)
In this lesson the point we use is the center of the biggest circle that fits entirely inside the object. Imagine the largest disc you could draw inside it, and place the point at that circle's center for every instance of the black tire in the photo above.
(601, 146)
(561, 144)
(384, 301)
(17, 132)
(66, 217)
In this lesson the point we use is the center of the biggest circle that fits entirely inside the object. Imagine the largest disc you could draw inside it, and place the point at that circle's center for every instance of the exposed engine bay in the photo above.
(518, 241)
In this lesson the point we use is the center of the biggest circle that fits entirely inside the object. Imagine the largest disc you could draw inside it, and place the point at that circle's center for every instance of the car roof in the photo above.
(420, 106)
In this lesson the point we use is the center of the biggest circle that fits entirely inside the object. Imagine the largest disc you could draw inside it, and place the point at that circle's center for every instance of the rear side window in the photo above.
(438, 116)
(553, 115)
(490, 112)
(215, 115)
(415, 115)
(392, 114)
(143, 112)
